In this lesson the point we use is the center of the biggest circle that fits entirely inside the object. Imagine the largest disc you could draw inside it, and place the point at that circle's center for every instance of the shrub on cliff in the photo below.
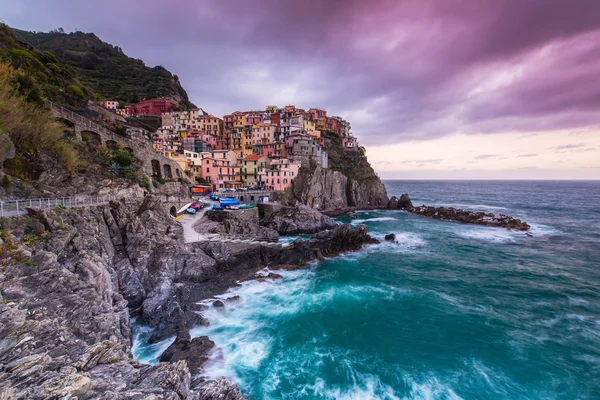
(76, 91)
(29, 127)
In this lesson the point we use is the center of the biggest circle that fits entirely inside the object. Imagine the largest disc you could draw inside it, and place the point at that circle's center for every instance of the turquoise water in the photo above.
(451, 311)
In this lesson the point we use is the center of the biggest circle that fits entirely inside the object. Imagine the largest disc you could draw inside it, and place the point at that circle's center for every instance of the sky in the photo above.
(447, 89)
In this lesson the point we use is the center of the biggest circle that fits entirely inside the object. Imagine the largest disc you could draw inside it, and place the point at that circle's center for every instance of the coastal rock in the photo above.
(328, 189)
(218, 304)
(64, 315)
(472, 217)
(405, 203)
(195, 351)
(237, 224)
(297, 219)
(220, 389)
(390, 237)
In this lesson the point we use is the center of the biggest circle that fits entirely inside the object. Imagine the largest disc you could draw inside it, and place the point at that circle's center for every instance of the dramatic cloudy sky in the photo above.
(434, 89)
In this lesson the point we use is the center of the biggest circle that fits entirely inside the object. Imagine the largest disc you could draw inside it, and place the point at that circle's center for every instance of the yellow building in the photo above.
(236, 140)
(309, 125)
(239, 119)
(252, 170)
(247, 144)
(211, 125)
(179, 159)
(194, 165)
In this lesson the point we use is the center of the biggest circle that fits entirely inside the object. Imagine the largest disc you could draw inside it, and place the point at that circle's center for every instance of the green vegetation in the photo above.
(123, 164)
(353, 164)
(106, 69)
(40, 74)
(76, 92)
(29, 127)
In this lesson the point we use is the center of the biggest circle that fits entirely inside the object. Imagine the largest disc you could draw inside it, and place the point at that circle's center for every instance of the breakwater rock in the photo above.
(458, 215)
(471, 217)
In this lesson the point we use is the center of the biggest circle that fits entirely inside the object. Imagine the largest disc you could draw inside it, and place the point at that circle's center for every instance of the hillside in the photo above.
(40, 74)
(106, 69)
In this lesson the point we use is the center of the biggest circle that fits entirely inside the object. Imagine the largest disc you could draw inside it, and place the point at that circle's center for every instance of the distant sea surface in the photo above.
(449, 312)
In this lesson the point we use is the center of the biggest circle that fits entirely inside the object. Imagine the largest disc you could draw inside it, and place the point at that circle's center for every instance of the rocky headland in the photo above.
(349, 182)
(70, 278)
(458, 215)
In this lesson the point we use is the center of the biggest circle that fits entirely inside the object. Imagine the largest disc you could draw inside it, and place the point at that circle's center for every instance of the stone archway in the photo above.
(173, 211)
(156, 169)
(91, 137)
(167, 172)
(68, 123)
(112, 145)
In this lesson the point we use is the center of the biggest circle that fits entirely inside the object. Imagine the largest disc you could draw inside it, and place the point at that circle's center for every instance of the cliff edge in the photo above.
(349, 181)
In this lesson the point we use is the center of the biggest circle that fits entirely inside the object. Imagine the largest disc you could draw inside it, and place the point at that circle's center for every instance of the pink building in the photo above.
(252, 119)
(150, 107)
(279, 177)
(349, 142)
(221, 169)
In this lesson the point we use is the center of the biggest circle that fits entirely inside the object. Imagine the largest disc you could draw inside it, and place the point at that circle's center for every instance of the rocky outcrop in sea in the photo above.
(459, 215)
(71, 278)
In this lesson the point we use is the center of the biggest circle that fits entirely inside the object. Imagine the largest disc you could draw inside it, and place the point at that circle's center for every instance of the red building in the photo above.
(150, 107)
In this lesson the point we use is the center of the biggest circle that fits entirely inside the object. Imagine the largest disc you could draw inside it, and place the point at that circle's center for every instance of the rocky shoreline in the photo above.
(73, 276)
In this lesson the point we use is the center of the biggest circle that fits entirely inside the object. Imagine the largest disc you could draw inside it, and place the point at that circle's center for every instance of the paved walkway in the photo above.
(191, 236)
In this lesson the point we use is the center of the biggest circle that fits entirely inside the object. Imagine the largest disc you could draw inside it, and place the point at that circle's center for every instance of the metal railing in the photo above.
(16, 208)
(241, 193)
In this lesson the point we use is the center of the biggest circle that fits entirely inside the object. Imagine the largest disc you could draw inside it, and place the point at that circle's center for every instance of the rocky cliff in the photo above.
(70, 278)
(349, 182)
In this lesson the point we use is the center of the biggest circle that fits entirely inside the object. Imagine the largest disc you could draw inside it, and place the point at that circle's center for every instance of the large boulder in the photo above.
(404, 203)
(237, 223)
(390, 237)
(296, 220)
(195, 351)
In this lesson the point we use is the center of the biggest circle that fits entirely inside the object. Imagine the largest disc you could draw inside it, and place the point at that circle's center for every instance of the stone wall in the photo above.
(154, 164)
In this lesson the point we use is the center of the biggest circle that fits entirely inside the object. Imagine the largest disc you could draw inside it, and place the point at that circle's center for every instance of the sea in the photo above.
(450, 311)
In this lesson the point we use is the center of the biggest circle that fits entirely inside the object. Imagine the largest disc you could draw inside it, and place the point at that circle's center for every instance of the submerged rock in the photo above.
(390, 237)
(218, 304)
